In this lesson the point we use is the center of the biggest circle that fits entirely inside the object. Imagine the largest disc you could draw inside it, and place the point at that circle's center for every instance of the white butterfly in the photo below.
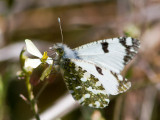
(92, 71)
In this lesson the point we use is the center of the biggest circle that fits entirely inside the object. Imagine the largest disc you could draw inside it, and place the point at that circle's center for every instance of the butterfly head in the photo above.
(62, 51)
(59, 49)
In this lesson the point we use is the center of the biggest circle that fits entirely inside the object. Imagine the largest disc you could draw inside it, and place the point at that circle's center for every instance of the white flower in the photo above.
(33, 63)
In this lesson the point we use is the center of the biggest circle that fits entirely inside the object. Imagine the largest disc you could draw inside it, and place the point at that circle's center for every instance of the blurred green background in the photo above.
(82, 22)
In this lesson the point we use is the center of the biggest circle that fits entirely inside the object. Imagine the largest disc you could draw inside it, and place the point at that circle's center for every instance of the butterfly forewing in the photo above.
(112, 54)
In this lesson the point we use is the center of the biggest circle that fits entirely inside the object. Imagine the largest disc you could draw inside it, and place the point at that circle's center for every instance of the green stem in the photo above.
(41, 90)
(32, 98)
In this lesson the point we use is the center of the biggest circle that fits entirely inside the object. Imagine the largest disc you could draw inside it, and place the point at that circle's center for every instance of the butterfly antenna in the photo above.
(59, 21)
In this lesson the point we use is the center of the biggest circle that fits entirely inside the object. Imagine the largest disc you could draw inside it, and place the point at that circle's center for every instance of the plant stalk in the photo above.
(32, 98)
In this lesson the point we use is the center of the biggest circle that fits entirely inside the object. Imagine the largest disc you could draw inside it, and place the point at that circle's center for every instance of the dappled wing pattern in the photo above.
(113, 83)
(84, 87)
(91, 85)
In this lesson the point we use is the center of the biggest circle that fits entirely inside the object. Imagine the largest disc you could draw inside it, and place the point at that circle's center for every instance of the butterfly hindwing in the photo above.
(91, 85)
(112, 54)
(84, 87)
(113, 83)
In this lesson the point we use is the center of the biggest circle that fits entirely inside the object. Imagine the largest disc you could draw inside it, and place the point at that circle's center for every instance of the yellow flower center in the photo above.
(44, 58)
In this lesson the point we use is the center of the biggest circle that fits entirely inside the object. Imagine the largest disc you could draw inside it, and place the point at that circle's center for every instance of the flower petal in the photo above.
(32, 63)
(32, 49)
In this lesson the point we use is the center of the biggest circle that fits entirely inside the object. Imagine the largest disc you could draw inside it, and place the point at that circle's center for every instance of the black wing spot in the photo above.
(105, 47)
(129, 54)
(99, 70)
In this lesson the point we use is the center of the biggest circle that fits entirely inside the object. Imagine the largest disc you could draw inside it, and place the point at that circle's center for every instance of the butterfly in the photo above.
(92, 71)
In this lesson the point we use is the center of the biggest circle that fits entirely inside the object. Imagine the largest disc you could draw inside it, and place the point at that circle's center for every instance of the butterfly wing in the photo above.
(112, 54)
(91, 85)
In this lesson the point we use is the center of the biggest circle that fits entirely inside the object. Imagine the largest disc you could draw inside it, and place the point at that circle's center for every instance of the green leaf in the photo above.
(46, 73)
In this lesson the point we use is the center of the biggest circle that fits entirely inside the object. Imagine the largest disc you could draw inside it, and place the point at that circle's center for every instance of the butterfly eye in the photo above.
(59, 51)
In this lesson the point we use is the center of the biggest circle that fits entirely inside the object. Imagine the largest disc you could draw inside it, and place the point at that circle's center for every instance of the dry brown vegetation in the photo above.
(82, 22)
